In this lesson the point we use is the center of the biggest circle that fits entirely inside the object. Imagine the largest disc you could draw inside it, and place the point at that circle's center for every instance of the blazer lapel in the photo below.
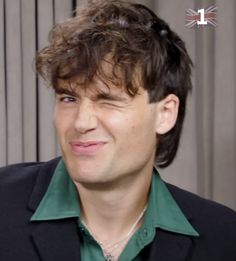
(168, 246)
(57, 240)
(43, 179)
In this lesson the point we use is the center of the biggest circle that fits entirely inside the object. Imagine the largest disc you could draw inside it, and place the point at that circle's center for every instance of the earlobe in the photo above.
(167, 113)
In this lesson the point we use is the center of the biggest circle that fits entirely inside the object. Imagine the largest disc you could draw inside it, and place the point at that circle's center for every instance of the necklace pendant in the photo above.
(109, 257)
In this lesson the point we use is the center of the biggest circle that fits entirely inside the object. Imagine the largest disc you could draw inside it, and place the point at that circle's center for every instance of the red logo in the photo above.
(201, 17)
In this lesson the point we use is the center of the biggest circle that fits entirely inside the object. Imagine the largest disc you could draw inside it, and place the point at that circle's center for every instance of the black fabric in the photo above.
(23, 185)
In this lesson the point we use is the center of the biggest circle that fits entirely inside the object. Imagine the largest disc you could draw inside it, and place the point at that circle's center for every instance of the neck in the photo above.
(109, 214)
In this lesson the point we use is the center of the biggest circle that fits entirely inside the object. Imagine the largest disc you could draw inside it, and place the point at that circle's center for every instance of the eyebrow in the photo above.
(99, 96)
(60, 90)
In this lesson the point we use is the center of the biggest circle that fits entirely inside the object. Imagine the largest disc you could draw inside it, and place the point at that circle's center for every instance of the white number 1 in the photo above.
(202, 17)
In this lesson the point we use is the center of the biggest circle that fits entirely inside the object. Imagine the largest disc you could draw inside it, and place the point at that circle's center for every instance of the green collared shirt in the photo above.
(61, 201)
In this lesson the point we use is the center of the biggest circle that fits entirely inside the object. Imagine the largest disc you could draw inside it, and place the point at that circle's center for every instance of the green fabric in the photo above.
(61, 198)
(61, 201)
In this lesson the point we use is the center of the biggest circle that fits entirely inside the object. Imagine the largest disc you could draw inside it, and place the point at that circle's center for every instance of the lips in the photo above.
(88, 148)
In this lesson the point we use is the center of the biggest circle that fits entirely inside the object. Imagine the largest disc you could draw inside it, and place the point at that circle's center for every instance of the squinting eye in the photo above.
(114, 104)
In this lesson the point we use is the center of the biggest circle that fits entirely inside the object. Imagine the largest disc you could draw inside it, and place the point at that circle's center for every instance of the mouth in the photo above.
(88, 148)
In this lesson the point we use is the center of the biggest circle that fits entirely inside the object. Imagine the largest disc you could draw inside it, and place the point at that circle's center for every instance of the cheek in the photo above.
(114, 122)
(57, 120)
(62, 122)
(143, 131)
(142, 120)
(133, 129)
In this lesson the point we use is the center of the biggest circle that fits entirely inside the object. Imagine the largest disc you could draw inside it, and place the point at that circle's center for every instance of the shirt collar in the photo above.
(163, 211)
(61, 201)
(61, 198)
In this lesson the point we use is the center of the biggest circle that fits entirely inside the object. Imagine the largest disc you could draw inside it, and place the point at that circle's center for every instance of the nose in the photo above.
(86, 118)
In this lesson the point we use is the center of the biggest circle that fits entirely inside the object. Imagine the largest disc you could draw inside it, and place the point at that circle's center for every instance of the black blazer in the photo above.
(22, 186)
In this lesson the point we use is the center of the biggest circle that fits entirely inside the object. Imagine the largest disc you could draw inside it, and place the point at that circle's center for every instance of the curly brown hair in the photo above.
(134, 37)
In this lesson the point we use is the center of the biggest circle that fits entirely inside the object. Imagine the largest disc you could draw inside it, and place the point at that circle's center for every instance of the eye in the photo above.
(111, 104)
(111, 100)
(67, 99)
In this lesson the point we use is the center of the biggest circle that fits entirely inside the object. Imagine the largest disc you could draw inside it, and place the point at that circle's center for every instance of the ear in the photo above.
(167, 113)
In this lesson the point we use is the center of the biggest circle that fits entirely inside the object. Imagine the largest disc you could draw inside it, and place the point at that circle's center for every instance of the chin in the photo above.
(85, 173)
(92, 182)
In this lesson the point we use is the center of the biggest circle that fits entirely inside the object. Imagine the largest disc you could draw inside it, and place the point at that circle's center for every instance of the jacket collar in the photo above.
(57, 240)
(170, 246)
(54, 240)
(43, 179)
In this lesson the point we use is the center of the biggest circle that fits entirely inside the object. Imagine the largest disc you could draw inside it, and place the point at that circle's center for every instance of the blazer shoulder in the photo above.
(23, 185)
(194, 202)
(20, 173)
(215, 223)
(195, 205)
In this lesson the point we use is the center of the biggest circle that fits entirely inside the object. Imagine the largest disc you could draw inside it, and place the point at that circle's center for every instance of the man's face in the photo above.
(105, 134)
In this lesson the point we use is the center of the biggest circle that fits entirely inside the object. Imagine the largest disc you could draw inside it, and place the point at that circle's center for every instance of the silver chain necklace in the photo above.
(108, 250)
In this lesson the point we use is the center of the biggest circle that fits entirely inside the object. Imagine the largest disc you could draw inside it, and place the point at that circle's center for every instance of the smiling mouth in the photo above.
(89, 148)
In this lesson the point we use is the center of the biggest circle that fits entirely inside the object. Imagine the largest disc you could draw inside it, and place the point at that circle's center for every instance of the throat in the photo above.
(113, 248)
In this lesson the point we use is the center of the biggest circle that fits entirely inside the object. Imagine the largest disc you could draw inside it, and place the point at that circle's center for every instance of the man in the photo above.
(121, 79)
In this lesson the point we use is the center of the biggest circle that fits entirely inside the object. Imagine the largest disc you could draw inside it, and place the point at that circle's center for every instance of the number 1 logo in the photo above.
(202, 20)
(201, 17)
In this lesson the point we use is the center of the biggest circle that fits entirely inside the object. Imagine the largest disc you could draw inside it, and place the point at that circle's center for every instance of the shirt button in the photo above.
(82, 230)
(145, 232)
